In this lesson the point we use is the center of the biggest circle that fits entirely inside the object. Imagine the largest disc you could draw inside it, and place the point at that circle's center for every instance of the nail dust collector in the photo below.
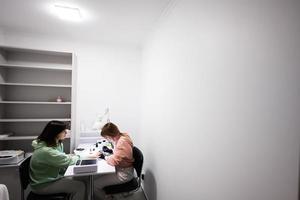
(85, 166)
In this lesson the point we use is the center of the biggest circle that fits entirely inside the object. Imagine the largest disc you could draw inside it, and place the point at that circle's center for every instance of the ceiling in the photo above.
(117, 21)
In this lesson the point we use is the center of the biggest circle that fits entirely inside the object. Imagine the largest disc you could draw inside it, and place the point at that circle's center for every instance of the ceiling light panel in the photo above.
(67, 12)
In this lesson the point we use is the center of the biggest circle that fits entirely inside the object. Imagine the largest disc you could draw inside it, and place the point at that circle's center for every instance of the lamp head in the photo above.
(101, 120)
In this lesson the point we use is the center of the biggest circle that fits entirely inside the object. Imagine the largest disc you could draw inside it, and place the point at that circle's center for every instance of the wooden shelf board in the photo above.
(33, 102)
(19, 137)
(10, 65)
(35, 85)
(34, 120)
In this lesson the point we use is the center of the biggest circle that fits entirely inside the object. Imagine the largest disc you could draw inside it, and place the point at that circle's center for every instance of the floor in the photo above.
(139, 195)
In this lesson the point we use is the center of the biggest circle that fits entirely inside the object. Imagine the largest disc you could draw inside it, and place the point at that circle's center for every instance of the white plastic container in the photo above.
(85, 166)
(11, 157)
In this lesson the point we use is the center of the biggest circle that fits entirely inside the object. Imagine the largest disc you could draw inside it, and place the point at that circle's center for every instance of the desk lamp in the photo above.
(100, 120)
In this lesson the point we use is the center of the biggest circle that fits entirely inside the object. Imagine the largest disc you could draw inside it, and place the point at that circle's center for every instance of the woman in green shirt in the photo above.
(49, 162)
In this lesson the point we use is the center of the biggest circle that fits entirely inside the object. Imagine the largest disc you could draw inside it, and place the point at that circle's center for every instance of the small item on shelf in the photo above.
(5, 135)
(59, 99)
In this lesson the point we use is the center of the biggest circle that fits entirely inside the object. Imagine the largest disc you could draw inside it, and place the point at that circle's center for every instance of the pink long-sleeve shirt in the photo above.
(122, 152)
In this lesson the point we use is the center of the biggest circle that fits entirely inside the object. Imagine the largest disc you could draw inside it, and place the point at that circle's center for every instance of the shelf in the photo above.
(31, 80)
(19, 138)
(36, 51)
(35, 120)
(35, 102)
(8, 65)
(31, 137)
(35, 85)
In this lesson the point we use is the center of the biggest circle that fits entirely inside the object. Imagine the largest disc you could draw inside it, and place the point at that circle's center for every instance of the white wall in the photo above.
(1, 36)
(107, 76)
(220, 108)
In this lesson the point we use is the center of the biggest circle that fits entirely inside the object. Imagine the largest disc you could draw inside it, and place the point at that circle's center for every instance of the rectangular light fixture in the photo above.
(68, 13)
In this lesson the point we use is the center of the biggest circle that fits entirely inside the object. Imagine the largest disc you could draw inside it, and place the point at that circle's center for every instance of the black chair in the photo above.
(25, 179)
(134, 184)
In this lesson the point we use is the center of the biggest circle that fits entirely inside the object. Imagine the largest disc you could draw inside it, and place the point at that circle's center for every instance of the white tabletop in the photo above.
(87, 149)
(103, 168)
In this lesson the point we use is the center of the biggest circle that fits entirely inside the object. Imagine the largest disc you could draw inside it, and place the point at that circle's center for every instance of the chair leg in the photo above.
(127, 194)
(109, 197)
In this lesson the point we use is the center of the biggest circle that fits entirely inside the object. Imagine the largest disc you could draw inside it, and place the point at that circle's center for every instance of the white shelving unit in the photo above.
(30, 82)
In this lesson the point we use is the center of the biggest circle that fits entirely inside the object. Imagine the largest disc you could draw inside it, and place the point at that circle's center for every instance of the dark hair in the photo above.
(110, 130)
(51, 130)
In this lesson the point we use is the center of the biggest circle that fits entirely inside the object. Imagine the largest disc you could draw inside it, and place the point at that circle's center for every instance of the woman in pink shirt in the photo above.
(121, 158)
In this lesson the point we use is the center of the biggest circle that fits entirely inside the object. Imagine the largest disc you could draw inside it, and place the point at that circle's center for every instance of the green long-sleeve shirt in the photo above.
(48, 164)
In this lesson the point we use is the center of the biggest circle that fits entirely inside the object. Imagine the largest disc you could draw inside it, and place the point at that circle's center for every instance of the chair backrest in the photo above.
(138, 160)
(24, 172)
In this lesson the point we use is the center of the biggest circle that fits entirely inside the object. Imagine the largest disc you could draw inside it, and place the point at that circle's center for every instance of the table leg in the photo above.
(91, 187)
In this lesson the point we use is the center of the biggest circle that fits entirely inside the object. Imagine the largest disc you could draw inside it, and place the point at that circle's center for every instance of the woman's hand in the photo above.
(94, 154)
